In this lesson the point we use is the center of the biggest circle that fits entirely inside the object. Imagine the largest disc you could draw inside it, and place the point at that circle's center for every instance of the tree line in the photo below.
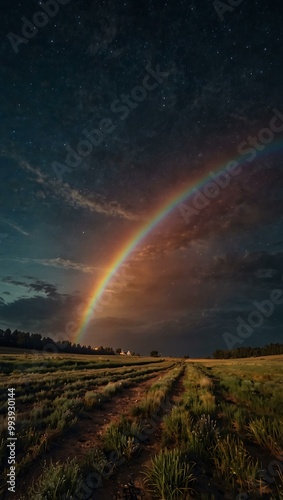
(26, 340)
(247, 352)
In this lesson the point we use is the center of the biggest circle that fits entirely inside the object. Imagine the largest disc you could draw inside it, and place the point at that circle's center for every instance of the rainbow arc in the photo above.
(166, 208)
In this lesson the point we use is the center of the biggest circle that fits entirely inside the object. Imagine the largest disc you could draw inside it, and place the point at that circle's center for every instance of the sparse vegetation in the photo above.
(234, 465)
(268, 433)
(170, 476)
(57, 481)
(210, 436)
(122, 438)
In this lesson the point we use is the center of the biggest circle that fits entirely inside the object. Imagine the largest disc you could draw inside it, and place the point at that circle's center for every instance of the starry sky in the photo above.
(61, 226)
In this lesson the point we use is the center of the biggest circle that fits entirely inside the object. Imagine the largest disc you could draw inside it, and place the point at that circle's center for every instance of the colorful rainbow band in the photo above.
(142, 232)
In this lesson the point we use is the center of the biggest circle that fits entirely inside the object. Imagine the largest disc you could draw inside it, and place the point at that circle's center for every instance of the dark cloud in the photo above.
(259, 267)
(46, 315)
(37, 286)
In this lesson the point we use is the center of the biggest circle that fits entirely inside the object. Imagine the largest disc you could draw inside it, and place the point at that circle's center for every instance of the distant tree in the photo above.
(154, 354)
(7, 338)
(35, 341)
(22, 339)
(118, 350)
(247, 352)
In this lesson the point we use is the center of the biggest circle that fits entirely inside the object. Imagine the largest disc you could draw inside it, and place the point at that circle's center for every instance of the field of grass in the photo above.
(169, 429)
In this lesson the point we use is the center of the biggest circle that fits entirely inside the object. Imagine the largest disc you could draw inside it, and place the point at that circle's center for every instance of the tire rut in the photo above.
(128, 482)
(87, 433)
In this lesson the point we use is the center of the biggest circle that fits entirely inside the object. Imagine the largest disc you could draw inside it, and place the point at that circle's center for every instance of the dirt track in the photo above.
(128, 482)
(87, 433)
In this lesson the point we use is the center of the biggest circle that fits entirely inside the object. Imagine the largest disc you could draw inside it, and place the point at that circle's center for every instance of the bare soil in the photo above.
(128, 481)
(87, 433)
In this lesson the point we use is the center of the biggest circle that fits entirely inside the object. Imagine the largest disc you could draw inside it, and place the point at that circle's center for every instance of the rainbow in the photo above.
(143, 231)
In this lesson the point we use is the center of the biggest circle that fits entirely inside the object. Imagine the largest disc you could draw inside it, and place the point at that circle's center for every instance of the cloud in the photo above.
(64, 264)
(38, 286)
(30, 309)
(74, 197)
(256, 267)
(14, 226)
(47, 314)
(235, 211)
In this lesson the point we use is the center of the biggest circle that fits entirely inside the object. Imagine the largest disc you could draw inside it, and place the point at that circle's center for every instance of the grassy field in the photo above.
(130, 427)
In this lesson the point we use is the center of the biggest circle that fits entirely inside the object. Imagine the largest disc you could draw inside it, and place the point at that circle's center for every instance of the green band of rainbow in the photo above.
(142, 232)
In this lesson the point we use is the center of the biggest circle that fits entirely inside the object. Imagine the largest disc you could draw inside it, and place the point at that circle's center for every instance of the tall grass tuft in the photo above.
(122, 437)
(95, 460)
(234, 465)
(169, 476)
(201, 437)
(57, 481)
(279, 484)
(176, 426)
(268, 432)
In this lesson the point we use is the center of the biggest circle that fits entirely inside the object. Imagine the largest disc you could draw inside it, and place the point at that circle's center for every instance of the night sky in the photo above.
(61, 227)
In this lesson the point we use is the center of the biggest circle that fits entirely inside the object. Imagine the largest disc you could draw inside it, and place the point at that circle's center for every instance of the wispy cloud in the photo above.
(74, 197)
(66, 264)
(14, 226)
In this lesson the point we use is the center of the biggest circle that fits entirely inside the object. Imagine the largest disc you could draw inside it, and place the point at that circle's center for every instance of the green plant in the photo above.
(176, 426)
(234, 465)
(92, 399)
(28, 438)
(57, 481)
(268, 432)
(279, 484)
(207, 429)
(122, 437)
(157, 393)
(113, 387)
(95, 460)
(170, 476)
(240, 420)
(201, 435)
